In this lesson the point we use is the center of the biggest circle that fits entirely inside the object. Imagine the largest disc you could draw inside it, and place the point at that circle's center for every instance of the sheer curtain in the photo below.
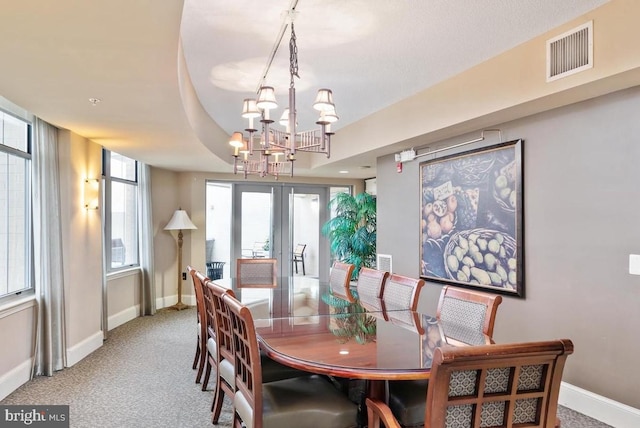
(148, 292)
(47, 239)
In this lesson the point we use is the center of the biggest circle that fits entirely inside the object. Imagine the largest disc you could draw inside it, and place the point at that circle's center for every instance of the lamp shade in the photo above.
(236, 140)
(328, 116)
(180, 221)
(267, 98)
(324, 100)
(250, 109)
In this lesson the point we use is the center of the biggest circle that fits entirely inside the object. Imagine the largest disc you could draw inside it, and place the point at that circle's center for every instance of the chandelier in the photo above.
(273, 151)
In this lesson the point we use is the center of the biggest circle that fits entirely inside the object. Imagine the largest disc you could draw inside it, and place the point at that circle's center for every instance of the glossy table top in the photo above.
(297, 296)
(372, 345)
(300, 324)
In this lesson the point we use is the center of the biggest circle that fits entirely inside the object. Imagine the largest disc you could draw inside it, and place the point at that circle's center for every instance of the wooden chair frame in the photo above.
(219, 317)
(491, 301)
(515, 390)
(370, 286)
(199, 361)
(267, 277)
(402, 286)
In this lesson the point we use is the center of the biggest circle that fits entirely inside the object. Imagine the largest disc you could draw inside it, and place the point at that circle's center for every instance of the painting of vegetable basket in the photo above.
(471, 219)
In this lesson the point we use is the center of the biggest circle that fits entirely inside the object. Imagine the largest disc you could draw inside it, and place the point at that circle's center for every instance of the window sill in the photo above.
(124, 273)
(17, 304)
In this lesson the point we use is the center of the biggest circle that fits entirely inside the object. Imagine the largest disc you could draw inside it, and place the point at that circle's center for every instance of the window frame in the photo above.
(29, 285)
(107, 212)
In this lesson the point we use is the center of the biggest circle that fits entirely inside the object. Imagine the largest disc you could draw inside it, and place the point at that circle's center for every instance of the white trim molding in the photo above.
(78, 352)
(122, 317)
(15, 378)
(598, 407)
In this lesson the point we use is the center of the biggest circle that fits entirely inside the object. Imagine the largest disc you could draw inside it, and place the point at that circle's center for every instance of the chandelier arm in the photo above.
(278, 143)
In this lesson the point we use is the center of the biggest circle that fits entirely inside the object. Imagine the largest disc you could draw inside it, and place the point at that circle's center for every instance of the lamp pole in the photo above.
(179, 305)
(179, 221)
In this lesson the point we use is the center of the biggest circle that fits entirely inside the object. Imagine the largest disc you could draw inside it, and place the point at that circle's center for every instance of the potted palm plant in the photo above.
(352, 232)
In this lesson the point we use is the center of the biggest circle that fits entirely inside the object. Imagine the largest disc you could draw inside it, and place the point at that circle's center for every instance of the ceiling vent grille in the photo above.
(383, 262)
(570, 52)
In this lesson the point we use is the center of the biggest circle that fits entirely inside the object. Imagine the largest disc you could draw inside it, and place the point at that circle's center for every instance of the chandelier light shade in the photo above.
(272, 151)
(250, 109)
(180, 221)
(324, 100)
(267, 98)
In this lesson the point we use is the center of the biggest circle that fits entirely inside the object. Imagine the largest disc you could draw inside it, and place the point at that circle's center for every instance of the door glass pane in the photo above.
(218, 233)
(256, 224)
(305, 237)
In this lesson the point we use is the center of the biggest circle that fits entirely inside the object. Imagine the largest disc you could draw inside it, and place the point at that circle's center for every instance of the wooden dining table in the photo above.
(374, 346)
(347, 340)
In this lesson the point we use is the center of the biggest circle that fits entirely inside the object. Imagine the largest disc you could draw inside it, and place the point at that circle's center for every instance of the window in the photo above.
(121, 210)
(15, 205)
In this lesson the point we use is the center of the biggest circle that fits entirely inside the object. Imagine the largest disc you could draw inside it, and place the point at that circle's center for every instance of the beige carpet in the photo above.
(142, 377)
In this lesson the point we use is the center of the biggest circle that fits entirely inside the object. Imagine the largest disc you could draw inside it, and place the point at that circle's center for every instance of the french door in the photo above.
(270, 220)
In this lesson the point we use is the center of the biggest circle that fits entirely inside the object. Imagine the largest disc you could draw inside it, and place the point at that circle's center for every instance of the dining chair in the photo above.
(302, 402)
(473, 309)
(219, 347)
(199, 360)
(298, 257)
(401, 292)
(220, 350)
(489, 386)
(340, 281)
(464, 316)
(258, 273)
(370, 286)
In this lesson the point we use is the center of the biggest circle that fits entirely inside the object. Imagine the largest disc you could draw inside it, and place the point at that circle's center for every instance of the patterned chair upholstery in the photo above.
(401, 292)
(467, 318)
(490, 386)
(259, 273)
(370, 287)
(340, 281)
(471, 309)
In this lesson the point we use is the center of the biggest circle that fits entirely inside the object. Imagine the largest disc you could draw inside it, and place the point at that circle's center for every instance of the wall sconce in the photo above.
(91, 193)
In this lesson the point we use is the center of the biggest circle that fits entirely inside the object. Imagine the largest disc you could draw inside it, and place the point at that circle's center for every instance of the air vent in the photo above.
(570, 52)
(383, 262)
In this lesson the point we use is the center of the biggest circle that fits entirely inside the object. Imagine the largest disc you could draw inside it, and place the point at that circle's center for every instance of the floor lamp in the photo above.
(180, 221)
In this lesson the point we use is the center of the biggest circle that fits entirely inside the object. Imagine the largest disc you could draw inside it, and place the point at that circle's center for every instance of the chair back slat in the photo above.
(198, 287)
(222, 319)
(247, 365)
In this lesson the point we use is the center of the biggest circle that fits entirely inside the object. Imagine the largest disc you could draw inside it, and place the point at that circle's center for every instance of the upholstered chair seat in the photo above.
(303, 402)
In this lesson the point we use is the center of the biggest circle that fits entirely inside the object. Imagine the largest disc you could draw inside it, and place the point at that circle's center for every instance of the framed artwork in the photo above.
(471, 219)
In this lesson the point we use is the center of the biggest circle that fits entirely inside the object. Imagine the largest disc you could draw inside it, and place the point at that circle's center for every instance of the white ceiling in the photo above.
(371, 53)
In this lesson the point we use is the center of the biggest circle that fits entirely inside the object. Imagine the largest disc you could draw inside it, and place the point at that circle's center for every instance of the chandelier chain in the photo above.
(293, 56)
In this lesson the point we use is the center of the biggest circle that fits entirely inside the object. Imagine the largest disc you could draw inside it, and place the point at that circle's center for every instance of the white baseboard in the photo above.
(166, 301)
(598, 407)
(123, 317)
(84, 348)
(15, 378)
